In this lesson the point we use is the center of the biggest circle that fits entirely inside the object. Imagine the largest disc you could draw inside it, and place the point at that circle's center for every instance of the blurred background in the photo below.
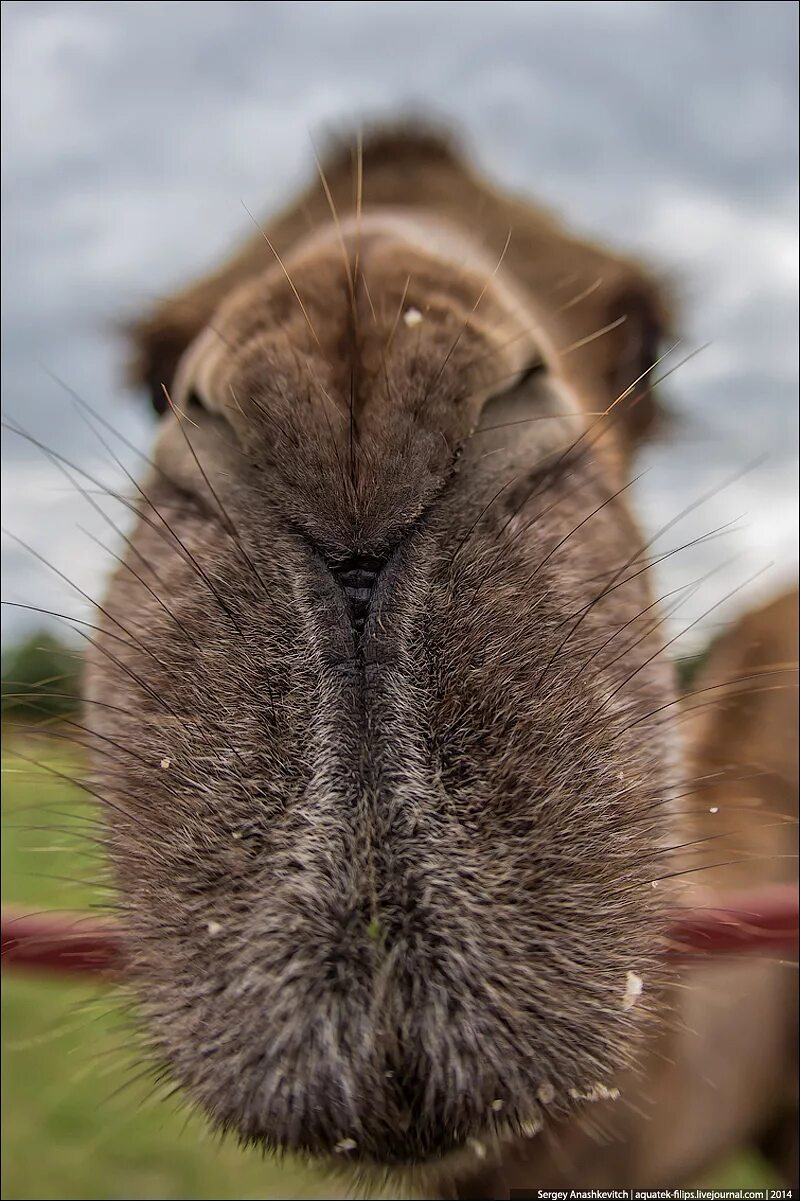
(133, 133)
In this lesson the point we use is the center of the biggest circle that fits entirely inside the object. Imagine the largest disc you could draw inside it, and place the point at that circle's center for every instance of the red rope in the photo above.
(71, 943)
(745, 920)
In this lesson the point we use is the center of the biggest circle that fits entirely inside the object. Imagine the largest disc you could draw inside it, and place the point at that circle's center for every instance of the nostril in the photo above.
(357, 577)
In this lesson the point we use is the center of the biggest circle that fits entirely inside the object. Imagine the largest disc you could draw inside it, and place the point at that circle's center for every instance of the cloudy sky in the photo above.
(133, 132)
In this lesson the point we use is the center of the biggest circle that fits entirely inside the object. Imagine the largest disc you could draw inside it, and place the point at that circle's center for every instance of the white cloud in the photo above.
(131, 134)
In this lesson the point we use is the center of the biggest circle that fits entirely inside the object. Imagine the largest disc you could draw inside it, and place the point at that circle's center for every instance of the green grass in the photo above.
(74, 1124)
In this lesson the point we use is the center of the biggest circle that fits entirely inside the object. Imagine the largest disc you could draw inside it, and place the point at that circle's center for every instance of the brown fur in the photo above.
(382, 824)
(724, 1071)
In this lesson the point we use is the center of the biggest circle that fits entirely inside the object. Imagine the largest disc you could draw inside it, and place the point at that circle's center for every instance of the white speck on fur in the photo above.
(412, 317)
(345, 1146)
(545, 1092)
(633, 990)
(598, 1092)
(213, 927)
(497, 1105)
(530, 1128)
(165, 763)
(714, 809)
(478, 1148)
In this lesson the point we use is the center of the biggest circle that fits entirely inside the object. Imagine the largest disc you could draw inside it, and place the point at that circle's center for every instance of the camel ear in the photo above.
(157, 342)
(639, 340)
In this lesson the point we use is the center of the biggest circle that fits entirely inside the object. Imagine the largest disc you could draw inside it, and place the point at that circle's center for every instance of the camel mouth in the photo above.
(357, 577)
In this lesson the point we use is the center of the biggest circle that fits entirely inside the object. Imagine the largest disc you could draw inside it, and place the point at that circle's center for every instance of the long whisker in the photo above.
(131, 640)
(166, 534)
(613, 411)
(288, 277)
(137, 820)
(350, 270)
(694, 586)
(67, 618)
(109, 521)
(659, 533)
(454, 344)
(112, 429)
(681, 700)
(608, 500)
(398, 315)
(226, 517)
(140, 579)
(661, 649)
